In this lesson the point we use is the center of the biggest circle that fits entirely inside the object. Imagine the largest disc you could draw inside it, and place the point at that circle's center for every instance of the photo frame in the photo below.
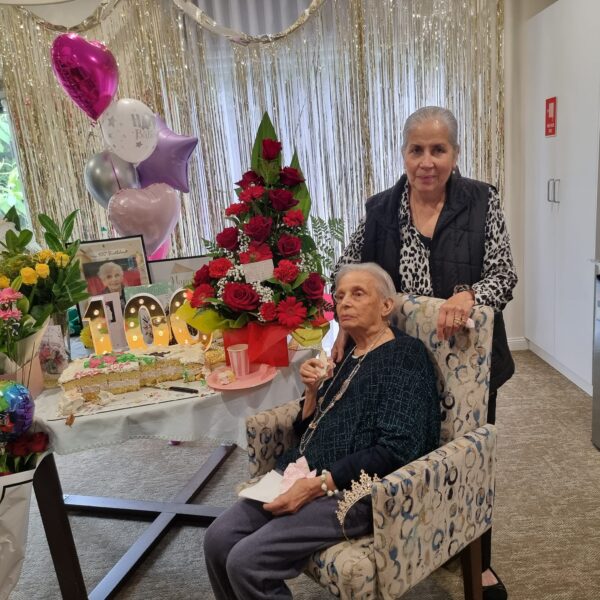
(177, 272)
(113, 264)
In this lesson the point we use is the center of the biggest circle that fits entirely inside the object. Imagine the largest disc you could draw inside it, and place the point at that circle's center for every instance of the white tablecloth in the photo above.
(218, 416)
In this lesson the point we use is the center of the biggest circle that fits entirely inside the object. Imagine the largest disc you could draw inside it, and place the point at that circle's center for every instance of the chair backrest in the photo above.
(462, 363)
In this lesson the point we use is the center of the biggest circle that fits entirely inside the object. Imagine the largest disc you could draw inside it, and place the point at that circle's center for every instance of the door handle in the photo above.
(550, 186)
(555, 185)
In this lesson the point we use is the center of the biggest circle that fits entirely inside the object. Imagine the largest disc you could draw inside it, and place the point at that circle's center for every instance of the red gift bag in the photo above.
(267, 343)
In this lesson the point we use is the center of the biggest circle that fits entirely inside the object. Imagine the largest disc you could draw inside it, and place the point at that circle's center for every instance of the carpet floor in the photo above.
(546, 542)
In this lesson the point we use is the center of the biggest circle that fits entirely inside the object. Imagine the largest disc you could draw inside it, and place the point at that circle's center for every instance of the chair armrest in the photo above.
(429, 510)
(269, 434)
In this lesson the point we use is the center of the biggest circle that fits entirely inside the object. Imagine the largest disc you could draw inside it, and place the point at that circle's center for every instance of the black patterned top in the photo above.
(388, 416)
(499, 276)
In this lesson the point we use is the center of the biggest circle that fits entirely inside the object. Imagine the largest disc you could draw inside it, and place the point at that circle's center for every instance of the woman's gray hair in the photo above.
(108, 266)
(385, 285)
(428, 113)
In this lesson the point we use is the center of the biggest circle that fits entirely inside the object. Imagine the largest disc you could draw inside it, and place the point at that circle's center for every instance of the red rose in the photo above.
(313, 286)
(294, 218)
(250, 178)
(289, 245)
(256, 253)
(282, 199)
(239, 208)
(218, 267)
(228, 238)
(19, 447)
(291, 313)
(240, 296)
(268, 311)
(270, 149)
(252, 193)
(38, 441)
(202, 276)
(290, 176)
(286, 271)
(259, 228)
(203, 291)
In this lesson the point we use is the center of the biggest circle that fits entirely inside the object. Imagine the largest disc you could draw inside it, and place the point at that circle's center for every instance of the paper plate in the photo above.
(259, 374)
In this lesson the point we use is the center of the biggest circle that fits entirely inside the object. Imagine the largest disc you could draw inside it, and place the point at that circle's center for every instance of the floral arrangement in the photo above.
(269, 224)
(35, 284)
(23, 453)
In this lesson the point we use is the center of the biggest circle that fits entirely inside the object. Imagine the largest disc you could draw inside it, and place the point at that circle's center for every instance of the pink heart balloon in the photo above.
(87, 71)
(152, 213)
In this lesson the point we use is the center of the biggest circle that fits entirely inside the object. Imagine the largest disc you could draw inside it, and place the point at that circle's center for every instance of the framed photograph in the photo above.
(177, 272)
(112, 265)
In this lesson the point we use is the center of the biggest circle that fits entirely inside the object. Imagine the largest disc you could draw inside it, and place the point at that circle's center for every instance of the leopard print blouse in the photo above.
(499, 275)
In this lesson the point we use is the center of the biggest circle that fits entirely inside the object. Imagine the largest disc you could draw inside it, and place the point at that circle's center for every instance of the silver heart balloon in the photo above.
(105, 174)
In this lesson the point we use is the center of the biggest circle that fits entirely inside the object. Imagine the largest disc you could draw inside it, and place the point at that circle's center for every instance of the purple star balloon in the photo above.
(169, 161)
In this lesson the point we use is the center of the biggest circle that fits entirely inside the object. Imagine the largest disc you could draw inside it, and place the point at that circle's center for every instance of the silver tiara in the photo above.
(359, 489)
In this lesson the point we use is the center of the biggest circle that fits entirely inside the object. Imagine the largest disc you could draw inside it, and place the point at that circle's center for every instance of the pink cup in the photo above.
(238, 358)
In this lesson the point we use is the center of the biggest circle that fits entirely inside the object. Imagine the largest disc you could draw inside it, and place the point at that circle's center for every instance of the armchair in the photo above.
(427, 511)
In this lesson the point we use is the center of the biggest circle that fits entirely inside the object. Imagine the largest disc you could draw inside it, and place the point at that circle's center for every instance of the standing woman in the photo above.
(439, 234)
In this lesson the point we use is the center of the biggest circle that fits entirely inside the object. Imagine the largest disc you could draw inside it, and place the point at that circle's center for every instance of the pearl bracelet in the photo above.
(324, 487)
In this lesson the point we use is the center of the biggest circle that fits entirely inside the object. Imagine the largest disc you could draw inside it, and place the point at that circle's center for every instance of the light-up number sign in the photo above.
(96, 315)
(161, 331)
(181, 330)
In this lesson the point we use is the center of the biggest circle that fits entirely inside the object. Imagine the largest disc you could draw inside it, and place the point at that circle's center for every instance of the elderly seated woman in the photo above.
(377, 411)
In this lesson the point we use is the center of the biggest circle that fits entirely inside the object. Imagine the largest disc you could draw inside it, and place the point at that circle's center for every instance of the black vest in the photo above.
(457, 250)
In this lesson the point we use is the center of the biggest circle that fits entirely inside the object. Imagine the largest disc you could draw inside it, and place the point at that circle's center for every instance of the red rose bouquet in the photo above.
(269, 226)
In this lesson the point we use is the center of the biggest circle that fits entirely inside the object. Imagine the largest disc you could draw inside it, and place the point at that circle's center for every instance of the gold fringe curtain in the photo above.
(338, 85)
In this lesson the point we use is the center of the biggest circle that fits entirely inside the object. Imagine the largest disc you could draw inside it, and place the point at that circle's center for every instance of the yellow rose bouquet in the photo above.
(35, 284)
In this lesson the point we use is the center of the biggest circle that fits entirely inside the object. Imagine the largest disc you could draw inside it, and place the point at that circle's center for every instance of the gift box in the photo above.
(267, 343)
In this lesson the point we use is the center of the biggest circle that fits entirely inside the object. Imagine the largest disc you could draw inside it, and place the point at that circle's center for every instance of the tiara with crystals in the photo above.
(359, 489)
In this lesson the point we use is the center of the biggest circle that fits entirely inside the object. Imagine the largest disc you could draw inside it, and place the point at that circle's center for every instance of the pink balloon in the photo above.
(152, 213)
(162, 251)
(87, 71)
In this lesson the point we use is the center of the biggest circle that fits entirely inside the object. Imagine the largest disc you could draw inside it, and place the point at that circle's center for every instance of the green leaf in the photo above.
(25, 237)
(301, 191)
(240, 321)
(300, 280)
(53, 241)
(49, 225)
(265, 131)
(67, 228)
(13, 216)
(16, 283)
(72, 248)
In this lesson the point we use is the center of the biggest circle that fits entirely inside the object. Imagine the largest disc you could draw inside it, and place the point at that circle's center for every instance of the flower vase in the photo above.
(15, 498)
(62, 320)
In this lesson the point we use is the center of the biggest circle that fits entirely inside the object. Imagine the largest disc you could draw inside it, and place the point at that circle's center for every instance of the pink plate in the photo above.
(259, 374)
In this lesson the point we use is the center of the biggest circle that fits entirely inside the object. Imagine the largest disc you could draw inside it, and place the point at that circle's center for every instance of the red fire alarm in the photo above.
(550, 116)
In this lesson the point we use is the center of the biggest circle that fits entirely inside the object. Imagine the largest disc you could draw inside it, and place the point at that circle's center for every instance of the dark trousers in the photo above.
(486, 538)
(249, 552)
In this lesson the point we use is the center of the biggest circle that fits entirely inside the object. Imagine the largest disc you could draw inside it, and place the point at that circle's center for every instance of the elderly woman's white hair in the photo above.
(108, 266)
(385, 285)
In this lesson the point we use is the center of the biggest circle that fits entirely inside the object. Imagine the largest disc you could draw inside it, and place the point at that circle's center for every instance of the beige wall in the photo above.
(516, 13)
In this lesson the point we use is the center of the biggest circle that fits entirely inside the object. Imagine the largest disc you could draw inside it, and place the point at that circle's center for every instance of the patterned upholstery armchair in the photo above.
(431, 509)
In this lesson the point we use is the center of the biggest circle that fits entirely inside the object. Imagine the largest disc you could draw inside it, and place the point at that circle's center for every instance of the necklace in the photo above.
(319, 411)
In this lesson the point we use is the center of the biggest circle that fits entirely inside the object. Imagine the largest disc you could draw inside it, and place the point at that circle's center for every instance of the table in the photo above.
(184, 417)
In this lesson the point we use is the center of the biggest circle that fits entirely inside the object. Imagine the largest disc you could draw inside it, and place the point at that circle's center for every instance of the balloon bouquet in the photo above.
(135, 178)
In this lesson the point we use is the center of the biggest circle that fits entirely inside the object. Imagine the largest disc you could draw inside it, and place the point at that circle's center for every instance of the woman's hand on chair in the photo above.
(454, 314)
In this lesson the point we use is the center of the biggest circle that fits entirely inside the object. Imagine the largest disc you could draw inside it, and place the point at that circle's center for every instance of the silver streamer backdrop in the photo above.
(338, 85)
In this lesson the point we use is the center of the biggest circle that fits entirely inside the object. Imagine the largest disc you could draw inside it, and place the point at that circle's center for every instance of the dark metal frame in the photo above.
(54, 505)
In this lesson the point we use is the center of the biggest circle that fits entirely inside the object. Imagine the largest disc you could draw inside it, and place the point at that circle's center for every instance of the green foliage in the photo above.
(11, 189)
(327, 235)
